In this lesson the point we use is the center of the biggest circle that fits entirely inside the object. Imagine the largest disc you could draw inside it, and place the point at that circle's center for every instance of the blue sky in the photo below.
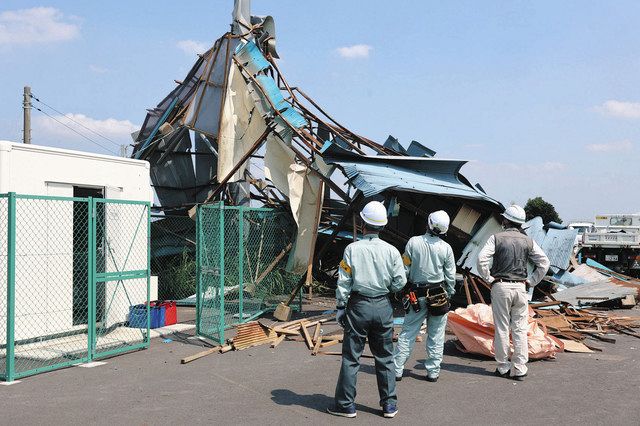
(543, 97)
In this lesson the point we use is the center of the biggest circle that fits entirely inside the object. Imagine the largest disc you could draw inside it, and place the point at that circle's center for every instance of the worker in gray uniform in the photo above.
(431, 271)
(503, 263)
(369, 271)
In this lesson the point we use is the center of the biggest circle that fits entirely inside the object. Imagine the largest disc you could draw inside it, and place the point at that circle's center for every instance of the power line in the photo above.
(75, 131)
(78, 123)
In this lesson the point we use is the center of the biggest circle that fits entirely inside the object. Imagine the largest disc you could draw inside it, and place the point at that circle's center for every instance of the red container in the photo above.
(170, 313)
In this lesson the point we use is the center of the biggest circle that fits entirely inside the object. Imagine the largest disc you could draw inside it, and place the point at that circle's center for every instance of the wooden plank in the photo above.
(278, 340)
(329, 343)
(289, 324)
(466, 291)
(200, 354)
(316, 333)
(340, 354)
(317, 346)
(225, 349)
(477, 290)
(288, 332)
(305, 333)
(577, 347)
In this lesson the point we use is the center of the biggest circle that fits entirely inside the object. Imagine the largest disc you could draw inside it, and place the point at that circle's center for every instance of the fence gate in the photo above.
(74, 278)
(241, 260)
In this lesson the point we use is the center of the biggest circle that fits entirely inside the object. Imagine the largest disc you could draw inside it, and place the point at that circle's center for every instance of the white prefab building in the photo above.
(40, 170)
(50, 289)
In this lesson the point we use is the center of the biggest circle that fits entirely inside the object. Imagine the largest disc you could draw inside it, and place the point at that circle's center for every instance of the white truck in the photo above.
(614, 241)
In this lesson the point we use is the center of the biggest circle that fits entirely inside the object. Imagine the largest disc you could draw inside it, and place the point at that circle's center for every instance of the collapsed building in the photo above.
(236, 131)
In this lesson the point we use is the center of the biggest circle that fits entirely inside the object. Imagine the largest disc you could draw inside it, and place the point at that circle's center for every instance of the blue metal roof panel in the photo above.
(293, 117)
(375, 174)
(251, 58)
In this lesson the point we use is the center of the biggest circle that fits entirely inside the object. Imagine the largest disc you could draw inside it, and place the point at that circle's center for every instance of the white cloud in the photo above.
(620, 146)
(117, 130)
(36, 26)
(192, 47)
(98, 69)
(620, 109)
(354, 51)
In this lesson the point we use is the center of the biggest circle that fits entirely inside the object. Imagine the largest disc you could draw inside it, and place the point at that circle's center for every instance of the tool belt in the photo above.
(434, 294)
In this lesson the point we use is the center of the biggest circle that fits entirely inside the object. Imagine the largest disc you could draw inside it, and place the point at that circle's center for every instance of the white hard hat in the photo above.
(374, 213)
(515, 214)
(439, 222)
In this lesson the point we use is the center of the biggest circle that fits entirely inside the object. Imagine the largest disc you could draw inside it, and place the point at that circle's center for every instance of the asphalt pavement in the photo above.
(286, 385)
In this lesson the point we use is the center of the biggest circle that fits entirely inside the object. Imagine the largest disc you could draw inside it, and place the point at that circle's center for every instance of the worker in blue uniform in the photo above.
(369, 271)
(431, 271)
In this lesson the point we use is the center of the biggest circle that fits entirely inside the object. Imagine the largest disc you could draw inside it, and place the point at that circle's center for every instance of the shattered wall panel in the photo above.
(558, 246)
(204, 110)
(469, 257)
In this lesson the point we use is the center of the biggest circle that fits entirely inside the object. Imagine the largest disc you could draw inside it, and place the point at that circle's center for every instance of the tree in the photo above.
(539, 207)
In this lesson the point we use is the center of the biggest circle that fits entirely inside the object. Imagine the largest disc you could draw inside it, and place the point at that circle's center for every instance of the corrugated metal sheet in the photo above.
(251, 58)
(593, 293)
(558, 246)
(375, 174)
(280, 103)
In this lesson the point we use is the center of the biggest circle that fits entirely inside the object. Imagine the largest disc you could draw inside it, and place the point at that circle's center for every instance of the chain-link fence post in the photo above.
(91, 278)
(11, 286)
(147, 338)
(241, 263)
(222, 272)
(198, 268)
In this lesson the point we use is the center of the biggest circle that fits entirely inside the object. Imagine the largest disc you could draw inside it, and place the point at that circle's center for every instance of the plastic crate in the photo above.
(138, 316)
(170, 313)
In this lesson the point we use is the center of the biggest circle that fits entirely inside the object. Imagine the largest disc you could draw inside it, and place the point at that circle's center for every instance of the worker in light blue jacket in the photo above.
(370, 269)
(431, 271)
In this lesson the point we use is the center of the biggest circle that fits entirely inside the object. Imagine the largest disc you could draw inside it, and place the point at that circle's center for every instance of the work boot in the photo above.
(349, 412)
(432, 379)
(519, 378)
(389, 410)
(499, 374)
(398, 378)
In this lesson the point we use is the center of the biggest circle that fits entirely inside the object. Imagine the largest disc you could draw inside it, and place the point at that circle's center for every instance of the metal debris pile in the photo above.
(235, 130)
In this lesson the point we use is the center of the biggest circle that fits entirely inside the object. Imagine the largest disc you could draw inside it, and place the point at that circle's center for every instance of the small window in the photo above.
(620, 221)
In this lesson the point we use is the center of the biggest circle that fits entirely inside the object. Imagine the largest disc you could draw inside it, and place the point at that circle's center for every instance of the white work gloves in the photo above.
(341, 317)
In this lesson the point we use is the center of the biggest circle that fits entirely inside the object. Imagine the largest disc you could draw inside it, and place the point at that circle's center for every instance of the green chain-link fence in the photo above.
(74, 277)
(173, 256)
(242, 254)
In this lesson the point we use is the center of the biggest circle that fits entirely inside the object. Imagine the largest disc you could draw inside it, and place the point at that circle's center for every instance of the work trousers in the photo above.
(367, 318)
(436, 326)
(510, 311)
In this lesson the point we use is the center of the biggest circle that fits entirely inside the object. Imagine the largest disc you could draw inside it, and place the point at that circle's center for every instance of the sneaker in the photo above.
(432, 379)
(519, 378)
(389, 410)
(342, 412)
(499, 374)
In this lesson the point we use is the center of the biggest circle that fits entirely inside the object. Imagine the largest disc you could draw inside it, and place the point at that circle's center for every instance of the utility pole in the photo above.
(26, 106)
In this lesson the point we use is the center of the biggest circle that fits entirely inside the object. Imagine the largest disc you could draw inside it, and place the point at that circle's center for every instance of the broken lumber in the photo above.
(200, 354)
